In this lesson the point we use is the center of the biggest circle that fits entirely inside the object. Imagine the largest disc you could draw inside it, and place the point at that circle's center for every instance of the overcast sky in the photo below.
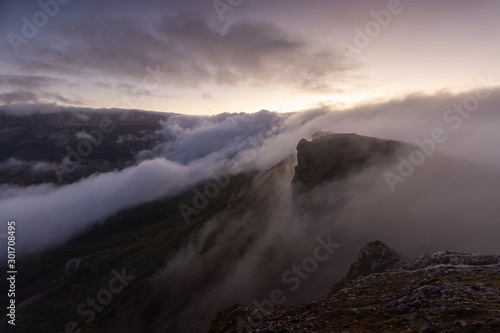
(205, 57)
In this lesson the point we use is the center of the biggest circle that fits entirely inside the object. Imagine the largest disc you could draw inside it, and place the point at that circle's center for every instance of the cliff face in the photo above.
(438, 291)
(328, 160)
(443, 291)
(332, 157)
(375, 257)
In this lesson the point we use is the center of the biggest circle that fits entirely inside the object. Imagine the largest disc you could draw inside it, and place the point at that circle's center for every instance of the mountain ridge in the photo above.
(441, 291)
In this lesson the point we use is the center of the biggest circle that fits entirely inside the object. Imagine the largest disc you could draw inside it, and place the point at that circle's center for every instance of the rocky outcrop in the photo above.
(453, 258)
(438, 292)
(328, 160)
(375, 257)
(332, 157)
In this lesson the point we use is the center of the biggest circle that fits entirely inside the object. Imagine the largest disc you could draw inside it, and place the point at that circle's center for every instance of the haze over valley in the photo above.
(235, 166)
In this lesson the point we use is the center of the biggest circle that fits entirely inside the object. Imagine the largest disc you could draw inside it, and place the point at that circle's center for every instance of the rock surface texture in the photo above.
(333, 157)
(438, 292)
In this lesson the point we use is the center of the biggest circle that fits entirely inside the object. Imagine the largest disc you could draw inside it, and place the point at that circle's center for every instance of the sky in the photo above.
(208, 57)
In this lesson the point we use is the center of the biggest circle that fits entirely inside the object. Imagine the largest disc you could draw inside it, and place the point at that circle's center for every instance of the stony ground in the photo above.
(439, 292)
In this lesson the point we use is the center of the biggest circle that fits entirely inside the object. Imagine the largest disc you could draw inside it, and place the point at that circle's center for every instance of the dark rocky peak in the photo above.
(373, 258)
(327, 161)
(319, 134)
(334, 156)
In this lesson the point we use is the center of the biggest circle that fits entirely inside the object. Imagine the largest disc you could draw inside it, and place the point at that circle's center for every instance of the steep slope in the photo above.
(137, 241)
(444, 291)
(363, 188)
(339, 187)
(147, 241)
(239, 246)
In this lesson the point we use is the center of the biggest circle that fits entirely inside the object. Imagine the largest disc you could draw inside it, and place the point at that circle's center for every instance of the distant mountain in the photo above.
(35, 148)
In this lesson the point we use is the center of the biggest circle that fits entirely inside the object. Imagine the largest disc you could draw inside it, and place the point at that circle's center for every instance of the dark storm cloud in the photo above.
(27, 82)
(189, 50)
(119, 39)
(19, 89)
(251, 52)
(19, 97)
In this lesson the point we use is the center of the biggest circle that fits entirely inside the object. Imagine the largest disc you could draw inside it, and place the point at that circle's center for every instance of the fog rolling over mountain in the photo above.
(186, 149)
(234, 166)
(352, 208)
(206, 212)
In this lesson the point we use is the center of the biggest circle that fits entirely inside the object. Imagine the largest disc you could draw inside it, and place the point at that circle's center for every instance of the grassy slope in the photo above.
(141, 239)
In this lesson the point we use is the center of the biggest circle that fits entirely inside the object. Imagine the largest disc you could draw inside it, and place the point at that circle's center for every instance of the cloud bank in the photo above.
(195, 147)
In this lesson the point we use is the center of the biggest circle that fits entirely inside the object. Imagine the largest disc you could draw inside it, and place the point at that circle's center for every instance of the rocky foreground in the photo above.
(438, 292)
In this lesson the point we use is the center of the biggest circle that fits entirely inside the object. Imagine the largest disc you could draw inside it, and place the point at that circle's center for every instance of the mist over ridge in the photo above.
(193, 148)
